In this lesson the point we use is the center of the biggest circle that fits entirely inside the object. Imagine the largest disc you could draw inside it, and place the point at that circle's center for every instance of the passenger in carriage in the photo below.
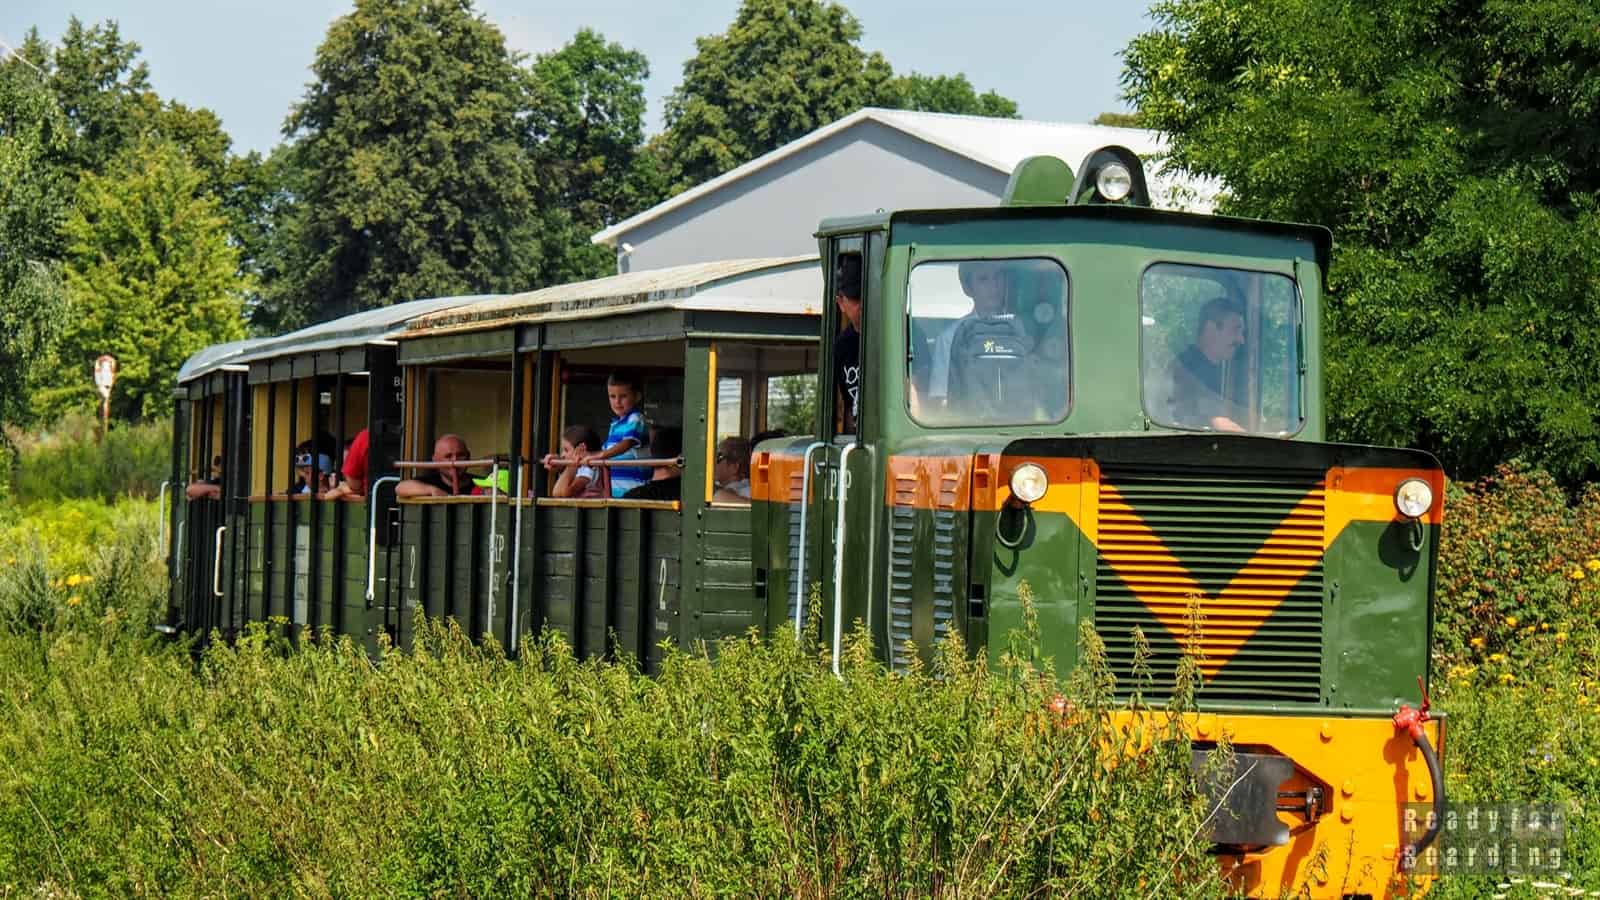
(732, 471)
(627, 433)
(312, 469)
(354, 471)
(576, 479)
(666, 483)
(209, 488)
(446, 482)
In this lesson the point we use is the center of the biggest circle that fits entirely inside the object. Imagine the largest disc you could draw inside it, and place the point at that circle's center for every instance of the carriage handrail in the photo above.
(161, 514)
(216, 563)
(372, 537)
(561, 463)
(805, 503)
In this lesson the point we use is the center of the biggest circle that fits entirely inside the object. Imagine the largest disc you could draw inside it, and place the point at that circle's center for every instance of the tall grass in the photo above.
(454, 771)
(70, 461)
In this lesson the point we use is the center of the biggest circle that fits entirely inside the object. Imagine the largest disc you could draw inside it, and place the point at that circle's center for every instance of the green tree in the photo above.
(785, 68)
(151, 278)
(586, 130)
(408, 172)
(1118, 120)
(947, 94)
(1453, 149)
(34, 197)
(782, 69)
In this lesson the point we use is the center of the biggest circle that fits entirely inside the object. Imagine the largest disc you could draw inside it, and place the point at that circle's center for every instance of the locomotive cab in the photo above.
(1118, 412)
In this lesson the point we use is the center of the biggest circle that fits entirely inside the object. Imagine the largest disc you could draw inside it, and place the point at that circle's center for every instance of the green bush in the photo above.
(69, 461)
(74, 562)
(1518, 561)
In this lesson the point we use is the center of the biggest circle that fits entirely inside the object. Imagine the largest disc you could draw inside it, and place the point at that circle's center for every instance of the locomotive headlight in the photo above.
(1028, 482)
(1413, 498)
(1114, 181)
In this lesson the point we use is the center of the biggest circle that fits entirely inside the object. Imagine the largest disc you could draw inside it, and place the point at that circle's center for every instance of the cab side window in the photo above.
(848, 288)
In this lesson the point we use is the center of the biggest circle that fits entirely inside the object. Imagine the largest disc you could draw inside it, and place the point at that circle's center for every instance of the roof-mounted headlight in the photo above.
(1114, 181)
(1413, 498)
(1029, 482)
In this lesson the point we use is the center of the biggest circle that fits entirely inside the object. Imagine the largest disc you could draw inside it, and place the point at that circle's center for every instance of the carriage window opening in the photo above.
(585, 415)
(988, 343)
(1221, 349)
(469, 402)
(763, 391)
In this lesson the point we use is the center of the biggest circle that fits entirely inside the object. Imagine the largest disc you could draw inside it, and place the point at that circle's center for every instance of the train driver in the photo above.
(1199, 383)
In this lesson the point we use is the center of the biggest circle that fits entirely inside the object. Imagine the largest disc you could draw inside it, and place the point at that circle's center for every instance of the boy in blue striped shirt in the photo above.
(626, 436)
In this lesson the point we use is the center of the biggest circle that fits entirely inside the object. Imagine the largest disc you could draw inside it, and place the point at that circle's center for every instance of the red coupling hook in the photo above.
(1411, 720)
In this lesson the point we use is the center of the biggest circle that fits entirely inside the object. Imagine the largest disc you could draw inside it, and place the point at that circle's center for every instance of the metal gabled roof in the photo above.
(998, 144)
(355, 329)
(214, 357)
(789, 285)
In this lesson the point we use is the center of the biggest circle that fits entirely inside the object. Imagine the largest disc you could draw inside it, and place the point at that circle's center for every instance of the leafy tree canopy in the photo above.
(33, 203)
(946, 94)
(151, 277)
(408, 173)
(1453, 149)
(586, 131)
(782, 69)
(1118, 120)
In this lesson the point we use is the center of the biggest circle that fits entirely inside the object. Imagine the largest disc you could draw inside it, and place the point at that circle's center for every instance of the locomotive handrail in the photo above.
(838, 551)
(372, 537)
(494, 520)
(216, 563)
(805, 502)
(516, 559)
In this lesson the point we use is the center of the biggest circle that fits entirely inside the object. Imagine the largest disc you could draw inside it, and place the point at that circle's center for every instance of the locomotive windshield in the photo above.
(1221, 349)
(988, 342)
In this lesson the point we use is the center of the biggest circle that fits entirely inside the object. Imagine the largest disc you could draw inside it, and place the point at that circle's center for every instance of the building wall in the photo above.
(775, 211)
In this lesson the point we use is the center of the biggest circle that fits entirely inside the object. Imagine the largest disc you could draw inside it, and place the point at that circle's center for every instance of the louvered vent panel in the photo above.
(902, 565)
(1248, 544)
(945, 556)
(796, 505)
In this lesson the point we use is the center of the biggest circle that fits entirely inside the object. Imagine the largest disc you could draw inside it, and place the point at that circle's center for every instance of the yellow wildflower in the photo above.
(1592, 565)
(1497, 657)
(1511, 621)
(1561, 636)
(1477, 642)
(74, 600)
(1507, 678)
(1576, 574)
(1544, 626)
(74, 580)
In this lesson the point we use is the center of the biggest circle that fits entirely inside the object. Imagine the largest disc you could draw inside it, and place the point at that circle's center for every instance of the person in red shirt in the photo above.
(354, 470)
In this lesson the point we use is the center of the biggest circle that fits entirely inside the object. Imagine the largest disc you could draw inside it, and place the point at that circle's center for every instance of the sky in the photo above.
(248, 61)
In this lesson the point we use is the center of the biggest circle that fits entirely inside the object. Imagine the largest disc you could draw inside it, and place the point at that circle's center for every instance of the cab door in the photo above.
(841, 528)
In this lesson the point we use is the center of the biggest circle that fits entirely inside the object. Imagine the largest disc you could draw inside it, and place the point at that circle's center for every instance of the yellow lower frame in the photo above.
(1369, 772)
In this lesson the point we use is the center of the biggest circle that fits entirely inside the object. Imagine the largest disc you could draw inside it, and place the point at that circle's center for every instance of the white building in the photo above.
(873, 159)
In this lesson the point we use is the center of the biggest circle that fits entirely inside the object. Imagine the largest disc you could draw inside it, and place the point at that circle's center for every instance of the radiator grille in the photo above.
(1248, 544)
